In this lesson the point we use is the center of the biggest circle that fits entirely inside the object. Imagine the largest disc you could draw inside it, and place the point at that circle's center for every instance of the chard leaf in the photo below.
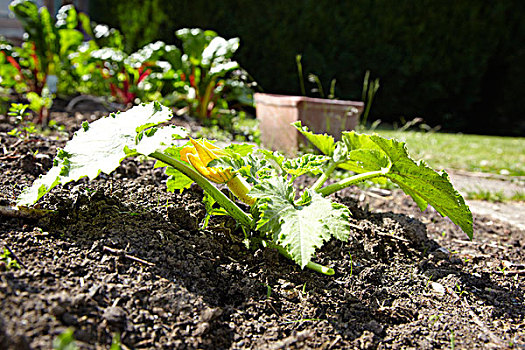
(325, 143)
(300, 229)
(101, 146)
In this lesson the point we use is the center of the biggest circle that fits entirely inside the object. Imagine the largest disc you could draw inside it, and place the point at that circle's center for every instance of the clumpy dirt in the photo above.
(121, 255)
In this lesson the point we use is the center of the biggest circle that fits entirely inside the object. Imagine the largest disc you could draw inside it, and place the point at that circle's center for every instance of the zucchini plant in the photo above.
(279, 217)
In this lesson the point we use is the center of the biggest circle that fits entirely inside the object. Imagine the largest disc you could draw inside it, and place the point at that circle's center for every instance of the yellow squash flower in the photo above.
(201, 153)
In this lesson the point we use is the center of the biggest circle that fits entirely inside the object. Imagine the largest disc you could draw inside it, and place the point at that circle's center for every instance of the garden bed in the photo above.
(124, 256)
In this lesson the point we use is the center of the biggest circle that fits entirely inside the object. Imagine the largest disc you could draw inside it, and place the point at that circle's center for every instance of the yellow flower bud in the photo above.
(200, 154)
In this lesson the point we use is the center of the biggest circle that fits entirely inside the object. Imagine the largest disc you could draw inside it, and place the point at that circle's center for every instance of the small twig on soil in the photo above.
(292, 339)
(481, 325)
(510, 272)
(126, 255)
(15, 257)
(24, 213)
(392, 236)
(462, 241)
(377, 196)
(8, 156)
(15, 145)
(269, 303)
(492, 245)
(357, 227)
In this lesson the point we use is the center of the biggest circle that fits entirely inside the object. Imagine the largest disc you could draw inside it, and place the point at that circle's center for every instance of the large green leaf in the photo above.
(324, 142)
(219, 50)
(425, 185)
(298, 227)
(67, 17)
(238, 150)
(194, 41)
(276, 196)
(422, 183)
(363, 154)
(365, 160)
(157, 139)
(70, 40)
(102, 145)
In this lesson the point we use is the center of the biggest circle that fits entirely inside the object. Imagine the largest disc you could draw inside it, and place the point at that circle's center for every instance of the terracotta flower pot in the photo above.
(277, 112)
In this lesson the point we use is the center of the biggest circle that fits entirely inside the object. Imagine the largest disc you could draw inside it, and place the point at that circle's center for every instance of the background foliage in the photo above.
(454, 63)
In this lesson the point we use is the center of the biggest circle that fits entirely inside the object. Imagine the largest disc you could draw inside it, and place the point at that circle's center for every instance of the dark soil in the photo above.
(124, 256)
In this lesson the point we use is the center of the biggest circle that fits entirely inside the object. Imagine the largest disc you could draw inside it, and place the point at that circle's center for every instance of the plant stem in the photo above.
(240, 189)
(325, 191)
(203, 113)
(24, 212)
(326, 174)
(311, 265)
(232, 208)
(300, 73)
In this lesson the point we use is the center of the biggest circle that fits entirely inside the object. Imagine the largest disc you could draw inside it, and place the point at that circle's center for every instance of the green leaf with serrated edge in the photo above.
(177, 180)
(275, 157)
(251, 167)
(276, 195)
(236, 159)
(239, 150)
(337, 221)
(300, 229)
(363, 154)
(325, 143)
(354, 140)
(425, 185)
(308, 163)
(99, 148)
(365, 160)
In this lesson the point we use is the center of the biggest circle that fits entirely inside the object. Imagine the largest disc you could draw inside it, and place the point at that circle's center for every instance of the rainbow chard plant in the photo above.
(294, 224)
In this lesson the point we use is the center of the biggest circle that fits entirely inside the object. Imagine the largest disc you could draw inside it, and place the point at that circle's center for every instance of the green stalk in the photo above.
(326, 174)
(240, 188)
(327, 190)
(300, 73)
(203, 113)
(311, 265)
(232, 208)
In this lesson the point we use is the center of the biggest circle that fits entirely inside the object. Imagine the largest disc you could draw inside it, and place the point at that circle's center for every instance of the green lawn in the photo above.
(491, 154)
